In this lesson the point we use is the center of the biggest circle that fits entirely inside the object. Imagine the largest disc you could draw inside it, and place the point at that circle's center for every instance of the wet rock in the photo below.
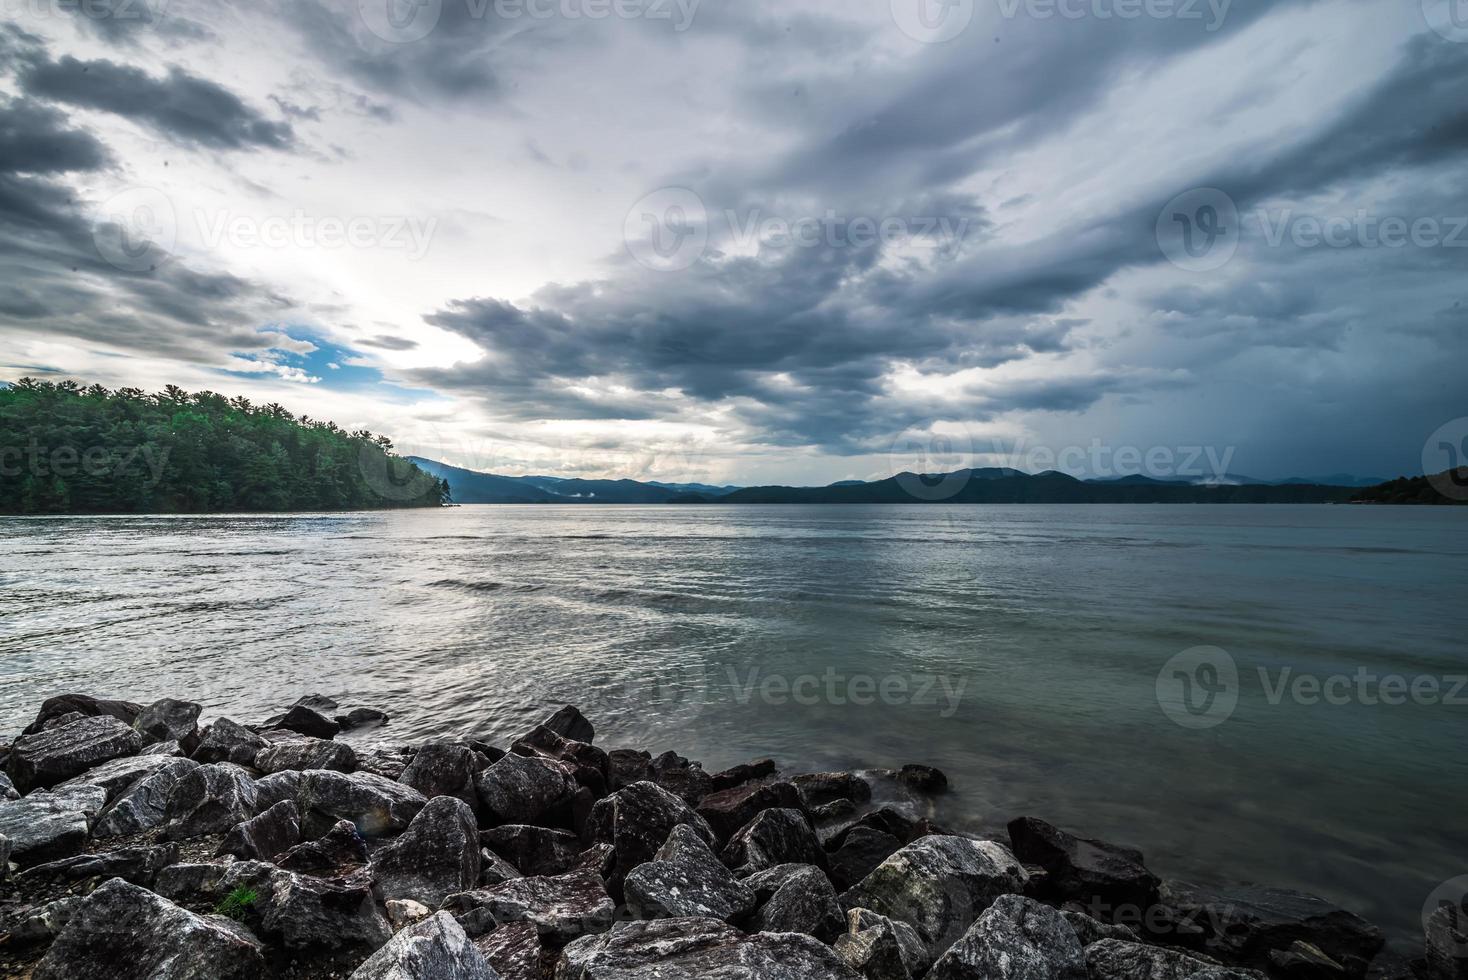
(636, 822)
(437, 856)
(377, 807)
(534, 850)
(861, 853)
(121, 930)
(1112, 959)
(1015, 939)
(833, 811)
(45, 923)
(874, 953)
(44, 759)
(226, 741)
(517, 790)
(686, 879)
(570, 723)
(209, 800)
(728, 811)
(923, 779)
(304, 911)
(560, 908)
(745, 773)
(47, 826)
(319, 703)
(1446, 935)
(682, 777)
(820, 788)
(307, 721)
(886, 820)
(914, 951)
(443, 769)
(124, 711)
(265, 837)
(1092, 872)
(796, 898)
(939, 886)
(1301, 961)
(304, 754)
(516, 952)
(340, 847)
(684, 949)
(169, 721)
(626, 767)
(773, 838)
(435, 949)
(138, 865)
(362, 718)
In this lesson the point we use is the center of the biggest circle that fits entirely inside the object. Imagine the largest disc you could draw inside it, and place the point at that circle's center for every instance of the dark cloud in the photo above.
(386, 342)
(35, 139)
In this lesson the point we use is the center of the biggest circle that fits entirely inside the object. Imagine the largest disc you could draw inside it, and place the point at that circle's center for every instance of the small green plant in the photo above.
(237, 903)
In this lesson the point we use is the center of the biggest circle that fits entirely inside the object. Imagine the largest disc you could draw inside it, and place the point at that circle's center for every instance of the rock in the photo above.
(682, 778)
(437, 856)
(265, 837)
(561, 908)
(304, 754)
(1015, 939)
(626, 767)
(304, 911)
(47, 826)
(517, 790)
(389, 764)
(569, 723)
(124, 711)
(277, 787)
(773, 838)
(1090, 930)
(340, 847)
(435, 949)
(190, 883)
(636, 822)
(121, 930)
(307, 721)
(745, 773)
(515, 952)
(860, 854)
(939, 886)
(120, 775)
(796, 898)
(4, 857)
(172, 749)
(1301, 961)
(534, 850)
(833, 811)
(45, 923)
(404, 912)
(209, 800)
(7, 788)
(728, 811)
(137, 865)
(60, 720)
(685, 879)
(885, 820)
(226, 741)
(874, 953)
(588, 764)
(1094, 873)
(319, 703)
(698, 949)
(143, 805)
(377, 807)
(46, 758)
(1446, 936)
(443, 769)
(1113, 959)
(914, 951)
(923, 779)
(169, 721)
(495, 870)
(820, 788)
(362, 718)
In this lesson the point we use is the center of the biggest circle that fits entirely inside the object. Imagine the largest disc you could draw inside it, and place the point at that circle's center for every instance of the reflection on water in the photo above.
(1017, 647)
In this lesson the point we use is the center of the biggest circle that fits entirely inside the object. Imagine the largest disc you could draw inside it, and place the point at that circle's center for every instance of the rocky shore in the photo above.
(136, 844)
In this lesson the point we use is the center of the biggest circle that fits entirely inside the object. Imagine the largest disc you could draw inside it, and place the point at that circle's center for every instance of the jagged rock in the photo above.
(1113, 959)
(404, 912)
(728, 811)
(46, 758)
(626, 767)
(172, 749)
(303, 911)
(569, 723)
(1244, 923)
(1090, 930)
(340, 847)
(860, 854)
(60, 720)
(45, 923)
(1092, 872)
(517, 790)
(389, 764)
(874, 953)
(744, 773)
(124, 711)
(682, 778)
(189, 883)
(698, 949)
(138, 865)
(277, 787)
(1301, 961)
(143, 805)
(886, 820)
(1015, 939)
(516, 952)
(46, 826)
(226, 741)
(1446, 936)
(435, 949)
(7, 788)
(833, 811)
(119, 775)
(588, 764)
(209, 800)
(939, 886)
(773, 838)
(495, 870)
(362, 718)
(307, 721)
(169, 721)
(121, 930)
(534, 850)
(443, 769)
(915, 955)
(264, 837)
(820, 788)
(685, 879)
(796, 898)
(561, 908)
(319, 703)
(636, 822)
(305, 754)
(377, 807)
(437, 856)
(923, 779)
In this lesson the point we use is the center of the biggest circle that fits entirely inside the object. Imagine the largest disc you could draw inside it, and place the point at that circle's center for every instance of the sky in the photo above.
(759, 241)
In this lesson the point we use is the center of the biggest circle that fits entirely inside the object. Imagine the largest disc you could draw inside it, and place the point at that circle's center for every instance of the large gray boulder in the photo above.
(1093, 873)
(796, 898)
(1015, 939)
(516, 952)
(534, 850)
(303, 753)
(875, 952)
(915, 957)
(518, 790)
(340, 848)
(303, 911)
(121, 930)
(84, 705)
(49, 757)
(136, 865)
(262, 838)
(169, 720)
(1114, 959)
(46, 826)
(821, 788)
(377, 807)
(636, 822)
(434, 949)
(698, 949)
(939, 886)
(686, 879)
(437, 856)
(143, 805)
(727, 811)
(561, 908)
(773, 838)
(228, 741)
(209, 800)
(860, 853)
(443, 769)
(119, 775)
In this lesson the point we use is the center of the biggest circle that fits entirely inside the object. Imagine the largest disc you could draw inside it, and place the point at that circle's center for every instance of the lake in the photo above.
(1028, 651)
